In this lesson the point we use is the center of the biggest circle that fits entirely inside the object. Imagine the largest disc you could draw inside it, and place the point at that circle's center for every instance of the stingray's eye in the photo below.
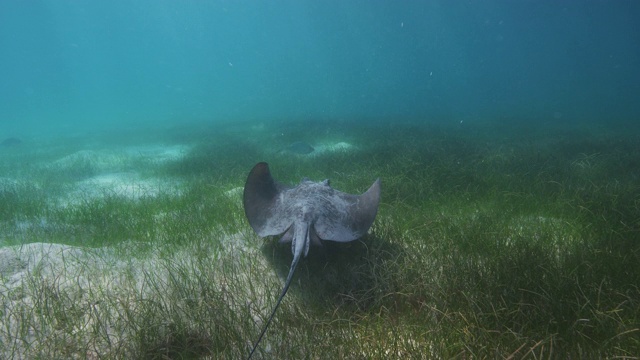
(326, 182)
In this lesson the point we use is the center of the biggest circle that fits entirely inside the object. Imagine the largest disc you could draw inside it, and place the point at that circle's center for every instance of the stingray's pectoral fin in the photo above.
(352, 222)
(364, 211)
(260, 200)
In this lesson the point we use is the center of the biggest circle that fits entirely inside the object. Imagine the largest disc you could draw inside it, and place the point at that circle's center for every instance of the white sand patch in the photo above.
(123, 184)
(97, 161)
(320, 149)
(113, 160)
(33, 273)
(235, 193)
(158, 153)
(109, 172)
(96, 288)
(10, 185)
(325, 148)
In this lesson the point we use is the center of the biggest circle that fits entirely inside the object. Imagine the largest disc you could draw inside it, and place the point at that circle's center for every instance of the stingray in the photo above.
(299, 148)
(309, 212)
(10, 142)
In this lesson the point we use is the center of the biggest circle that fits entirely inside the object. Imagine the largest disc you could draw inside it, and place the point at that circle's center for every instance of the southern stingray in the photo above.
(309, 212)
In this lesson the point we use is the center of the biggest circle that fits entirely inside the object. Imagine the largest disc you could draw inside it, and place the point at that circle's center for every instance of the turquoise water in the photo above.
(505, 135)
(69, 66)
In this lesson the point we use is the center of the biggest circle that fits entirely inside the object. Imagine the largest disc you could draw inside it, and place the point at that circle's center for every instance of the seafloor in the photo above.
(501, 239)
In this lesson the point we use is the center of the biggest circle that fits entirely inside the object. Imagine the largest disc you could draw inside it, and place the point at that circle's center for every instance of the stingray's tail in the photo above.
(300, 245)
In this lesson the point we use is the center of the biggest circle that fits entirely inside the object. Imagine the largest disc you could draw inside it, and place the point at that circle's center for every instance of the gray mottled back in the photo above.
(311, 211)
(272, 208)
